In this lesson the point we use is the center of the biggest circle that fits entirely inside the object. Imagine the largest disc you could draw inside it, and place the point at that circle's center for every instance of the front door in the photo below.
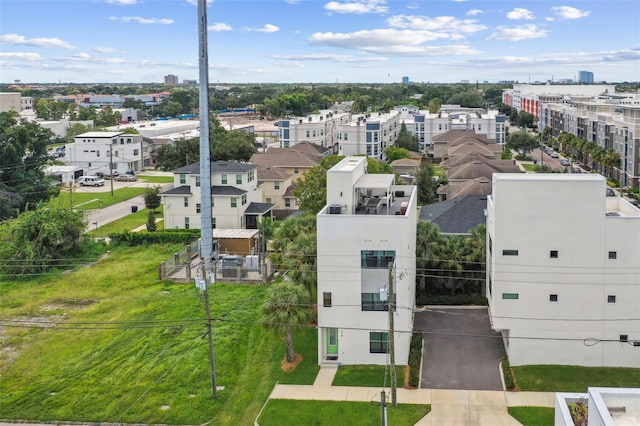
(332, 342)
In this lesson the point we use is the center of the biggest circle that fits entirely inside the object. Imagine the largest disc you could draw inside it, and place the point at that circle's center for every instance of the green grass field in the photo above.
(155, 179)
(367, 375)
(329, 413)
(95, 200)
(129, 222)
(111, 343)
(569, 378)
(533, 416)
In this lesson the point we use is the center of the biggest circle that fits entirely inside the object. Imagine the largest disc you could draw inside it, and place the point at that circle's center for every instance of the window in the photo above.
(223, 178)
(376, 258)
(244, 199)
(276, 185)
(136, 151)
(268, 200)
(234, 202)
(378, 342)
(183, 179)
(98, 153)
(186, 223)
(509, 252)
(624, 338)
(553, 298)
(613, 255)
(287, 202)
(186, 201)
(213, 222)
(326, 299)
(296, 170)
(197, 181)
(510, 296)
(611, 298)
(372, 302)
(198, 209)
(553, 254)
(238, 179)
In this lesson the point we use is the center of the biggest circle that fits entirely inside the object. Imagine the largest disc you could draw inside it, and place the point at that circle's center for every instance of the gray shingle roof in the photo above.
(217, 167)
(258, 208)
(457, 216)
(227, 190)
(180, 190)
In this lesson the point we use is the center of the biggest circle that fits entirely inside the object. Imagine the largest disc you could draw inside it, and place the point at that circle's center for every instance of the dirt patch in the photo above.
(289, 366)
(59, 305)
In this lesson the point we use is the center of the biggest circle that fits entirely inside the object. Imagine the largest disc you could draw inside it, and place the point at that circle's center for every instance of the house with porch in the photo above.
(236, 197)
(368, 222)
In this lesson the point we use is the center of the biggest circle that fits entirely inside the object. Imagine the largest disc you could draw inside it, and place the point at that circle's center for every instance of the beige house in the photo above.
(295, 161)
(462, 142)
(277, 189)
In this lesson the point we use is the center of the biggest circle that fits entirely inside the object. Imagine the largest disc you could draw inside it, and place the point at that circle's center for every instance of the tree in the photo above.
(285, 308)
(378, 167)
(233, 146)
(311, 188)
(434, 105)
(107, 117)
(75, 130)
(522, 141)
(184, 152)
(525, 119)
(395, 153)
(406, 140)
(151, 222)
(426, 183)
(152, 198)
(469, 98)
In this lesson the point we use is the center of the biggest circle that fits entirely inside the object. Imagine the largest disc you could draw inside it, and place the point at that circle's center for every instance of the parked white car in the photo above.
(90, 181)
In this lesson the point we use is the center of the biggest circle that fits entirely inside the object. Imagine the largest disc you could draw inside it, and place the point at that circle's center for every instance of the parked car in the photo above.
(576, 170)
(565, 162)
(610, 192)
(90, 181)
(125, 178)
(554, 155)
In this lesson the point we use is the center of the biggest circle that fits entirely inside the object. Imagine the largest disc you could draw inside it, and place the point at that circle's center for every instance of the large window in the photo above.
(376, 258)
(197, 181)
(223, 179)
(378, 342)
(276, 185)
(326, 299)
(234, 202)
(372, 302)
(183, 179)
(238, 179)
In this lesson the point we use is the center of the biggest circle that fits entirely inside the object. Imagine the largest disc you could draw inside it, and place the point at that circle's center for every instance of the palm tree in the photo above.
(285, 308)
(610, 160)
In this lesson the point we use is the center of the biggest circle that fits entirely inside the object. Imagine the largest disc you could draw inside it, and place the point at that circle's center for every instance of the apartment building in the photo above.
(563, 277)
(104, 151)
(367, 223)
(236, 197)
(368, 134)
(319, 129)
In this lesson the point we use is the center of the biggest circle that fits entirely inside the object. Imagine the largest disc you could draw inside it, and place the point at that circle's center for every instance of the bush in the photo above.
(507, 374)
(415, 356)
(144, 238)
(453, 299)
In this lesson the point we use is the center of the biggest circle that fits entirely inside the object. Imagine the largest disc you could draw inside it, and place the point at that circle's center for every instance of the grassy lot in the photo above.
(92, 200)
(569, 378)
(529, 167)
(533, 416)
(366, 375)
(111, 343)
(320, 413)
(155, 179)
(129, 222)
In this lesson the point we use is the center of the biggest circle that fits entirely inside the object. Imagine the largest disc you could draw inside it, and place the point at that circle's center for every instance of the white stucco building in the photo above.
(368, 134)
(563, 270)
(320, 129)
(101, 151)
(236, 197)
(367, 223)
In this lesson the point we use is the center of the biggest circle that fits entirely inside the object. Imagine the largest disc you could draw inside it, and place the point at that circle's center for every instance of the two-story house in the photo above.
(236, 197)
(108, 151)
(277, 189)
(368, 223)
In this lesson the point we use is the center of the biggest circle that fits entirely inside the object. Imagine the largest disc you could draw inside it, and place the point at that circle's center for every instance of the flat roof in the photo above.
(347, 164)
(234, 233)
(372, 181)
(99, 135)
(576, 177)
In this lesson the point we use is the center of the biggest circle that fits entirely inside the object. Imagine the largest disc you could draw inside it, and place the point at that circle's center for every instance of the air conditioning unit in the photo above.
(335, 208)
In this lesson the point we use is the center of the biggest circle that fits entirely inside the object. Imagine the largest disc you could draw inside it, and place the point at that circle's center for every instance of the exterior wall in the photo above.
(10, 101)
(276, 196)
(316, 128)
(92, 152)
(341, 238)
(368, 134)
(535, 214)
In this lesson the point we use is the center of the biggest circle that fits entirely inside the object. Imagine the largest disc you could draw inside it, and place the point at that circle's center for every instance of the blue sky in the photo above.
(324, 41)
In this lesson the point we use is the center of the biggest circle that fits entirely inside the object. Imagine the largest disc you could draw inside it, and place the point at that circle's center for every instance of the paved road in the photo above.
(465, 355)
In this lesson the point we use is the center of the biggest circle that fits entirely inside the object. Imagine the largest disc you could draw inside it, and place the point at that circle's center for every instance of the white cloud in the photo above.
(358, 6)
(143, 21)
(459, 1)
(268, 28)
(520, 13)
(413, 6)
(122, 2)
(291, 65)
(474, 12)
(37, 42)
(219, 26)
(292, 1)
(568, 12)
(81, 55)
(440, 23)
(329, 57)
(104, 49)
(26, 56)
(522, 32)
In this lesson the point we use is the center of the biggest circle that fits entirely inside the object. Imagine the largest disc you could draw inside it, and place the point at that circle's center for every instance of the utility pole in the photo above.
(392, 349)
(212, 360)
(111, 168)
(383, 409)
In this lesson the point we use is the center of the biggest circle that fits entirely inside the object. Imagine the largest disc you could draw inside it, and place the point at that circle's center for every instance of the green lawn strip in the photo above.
(533, 416)
(92, 200)
(157, 372)
(569, 378)
(318, 413)
(367, 375)
(529, 167)
(129, 222)
(155, 179)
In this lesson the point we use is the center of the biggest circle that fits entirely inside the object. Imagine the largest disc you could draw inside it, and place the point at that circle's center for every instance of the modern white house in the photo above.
(604, 406)
(368, 134)
(236, 197)
(563, 270)
(367, 223)
(104, 151)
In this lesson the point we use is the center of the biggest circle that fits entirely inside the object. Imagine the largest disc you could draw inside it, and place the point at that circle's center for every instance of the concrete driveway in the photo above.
(460, 349)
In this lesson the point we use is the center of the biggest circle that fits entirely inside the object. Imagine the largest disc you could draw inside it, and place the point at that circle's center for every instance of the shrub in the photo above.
(507, 374)
(415, 356)
(453, 299)
(144, 238)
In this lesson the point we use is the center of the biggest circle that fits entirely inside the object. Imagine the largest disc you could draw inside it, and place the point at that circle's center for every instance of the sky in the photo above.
(319, 41)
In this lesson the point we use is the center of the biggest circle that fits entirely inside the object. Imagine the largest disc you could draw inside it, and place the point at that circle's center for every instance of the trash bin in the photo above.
(134, 209)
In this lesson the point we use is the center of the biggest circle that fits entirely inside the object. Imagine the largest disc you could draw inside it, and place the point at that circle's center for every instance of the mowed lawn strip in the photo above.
(533, 416)
(571, 378)
(129, 222)
(117, 345)
(367, 375)
(92, 200)
(279, 412)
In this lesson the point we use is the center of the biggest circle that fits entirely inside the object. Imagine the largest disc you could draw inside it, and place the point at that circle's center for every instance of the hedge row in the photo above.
(509, 382)
(455, 299)
(415, 355)
(143, 238)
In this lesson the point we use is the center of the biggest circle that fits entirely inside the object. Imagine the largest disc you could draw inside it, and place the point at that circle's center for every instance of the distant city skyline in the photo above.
(302, 41)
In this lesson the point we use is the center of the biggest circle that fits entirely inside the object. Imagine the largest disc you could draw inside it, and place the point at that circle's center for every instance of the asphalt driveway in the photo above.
(460, 349)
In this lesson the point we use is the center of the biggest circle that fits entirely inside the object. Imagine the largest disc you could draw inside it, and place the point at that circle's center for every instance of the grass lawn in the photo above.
(367, 375)
(533, 416)
(129, 222)
(116, 345)
(320, 413)
(529, 167)
(569, 378)
(155, 179)
(92, 200)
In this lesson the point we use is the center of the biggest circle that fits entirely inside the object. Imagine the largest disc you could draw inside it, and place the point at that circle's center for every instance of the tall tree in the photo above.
(395, 153)
(107, 117)
(522, 141)
(311, 188)
(427, 183)
(285, 309)
(152, 198)
(406, 140)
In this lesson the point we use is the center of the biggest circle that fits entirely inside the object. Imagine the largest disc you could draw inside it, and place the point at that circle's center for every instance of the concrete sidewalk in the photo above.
(448, 407)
